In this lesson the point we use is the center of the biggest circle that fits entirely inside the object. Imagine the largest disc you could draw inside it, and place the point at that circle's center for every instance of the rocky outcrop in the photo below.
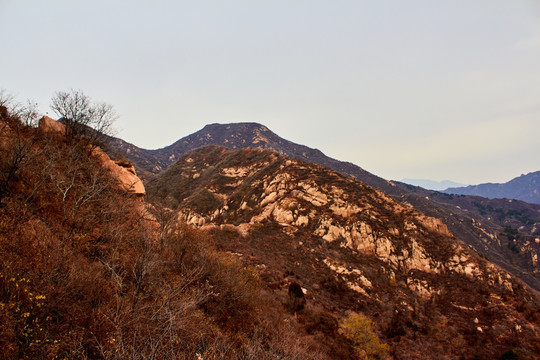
(314, 200)
(49, 125)
(123, 171)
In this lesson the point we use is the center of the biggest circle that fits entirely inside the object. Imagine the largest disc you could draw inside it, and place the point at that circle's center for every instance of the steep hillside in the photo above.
(352, 248)
(87, 273)
(481, 223)
(524, 187)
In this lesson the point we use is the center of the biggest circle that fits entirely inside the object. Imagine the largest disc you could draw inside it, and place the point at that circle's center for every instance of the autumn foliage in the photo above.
(87, 273)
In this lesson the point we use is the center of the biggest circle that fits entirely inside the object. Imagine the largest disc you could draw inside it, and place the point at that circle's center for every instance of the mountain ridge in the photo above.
(525, 187)
(479, 222)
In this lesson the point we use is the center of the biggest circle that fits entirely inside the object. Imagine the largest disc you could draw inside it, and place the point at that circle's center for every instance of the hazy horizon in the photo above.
(418, 89)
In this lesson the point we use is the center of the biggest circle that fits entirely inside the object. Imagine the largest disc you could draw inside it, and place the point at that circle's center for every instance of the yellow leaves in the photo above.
(357, 329)
(23, 306)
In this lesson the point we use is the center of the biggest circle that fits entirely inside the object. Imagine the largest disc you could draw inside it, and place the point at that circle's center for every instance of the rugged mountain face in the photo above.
(524, 187)
(351, 247)
(505, 231)
(481, 223)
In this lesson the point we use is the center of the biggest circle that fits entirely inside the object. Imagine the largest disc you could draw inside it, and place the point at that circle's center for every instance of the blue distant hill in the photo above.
(524, 187)
(433, 185)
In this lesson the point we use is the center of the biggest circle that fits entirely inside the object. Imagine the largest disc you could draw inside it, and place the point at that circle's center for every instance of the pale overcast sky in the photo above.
(405, 89)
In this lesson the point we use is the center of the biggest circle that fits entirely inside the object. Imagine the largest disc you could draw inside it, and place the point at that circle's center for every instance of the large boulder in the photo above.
(49, 125)
(123, 171)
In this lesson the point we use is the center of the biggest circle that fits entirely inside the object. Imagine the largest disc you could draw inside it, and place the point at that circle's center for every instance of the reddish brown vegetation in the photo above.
(84, 274)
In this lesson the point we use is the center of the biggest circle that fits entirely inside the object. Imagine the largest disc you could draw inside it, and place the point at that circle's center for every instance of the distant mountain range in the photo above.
(524, 187)
(433, 185)
(480, 222)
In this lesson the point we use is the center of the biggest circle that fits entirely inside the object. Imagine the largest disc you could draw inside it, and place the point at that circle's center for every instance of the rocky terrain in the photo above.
(233, 254)
(525, 188)
(481, 223)
(352, 247)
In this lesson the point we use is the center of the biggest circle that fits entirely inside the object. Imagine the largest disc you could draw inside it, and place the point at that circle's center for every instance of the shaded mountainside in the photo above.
(352, 248)
(525, 188)
(474, 224)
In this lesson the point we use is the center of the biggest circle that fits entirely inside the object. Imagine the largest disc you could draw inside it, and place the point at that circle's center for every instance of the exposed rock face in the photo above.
(51, 126)
(340, 210)
(124, 172)
(350, 246)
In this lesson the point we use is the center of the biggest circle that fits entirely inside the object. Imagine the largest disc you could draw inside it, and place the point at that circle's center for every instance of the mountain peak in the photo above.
(239, 126)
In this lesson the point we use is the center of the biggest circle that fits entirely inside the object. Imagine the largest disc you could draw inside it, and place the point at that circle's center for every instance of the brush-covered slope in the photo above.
(87, 273)
(481, 223)
(525, 188)
(353, 248)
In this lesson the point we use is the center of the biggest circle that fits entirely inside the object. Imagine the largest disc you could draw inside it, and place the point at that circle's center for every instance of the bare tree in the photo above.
(16, 137)
(84, 119)
(6, 99)
(27, 113)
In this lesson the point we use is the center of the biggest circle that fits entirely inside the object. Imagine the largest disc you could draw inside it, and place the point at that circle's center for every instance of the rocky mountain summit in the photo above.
(525, 188)
(481, 223)
(352, 247)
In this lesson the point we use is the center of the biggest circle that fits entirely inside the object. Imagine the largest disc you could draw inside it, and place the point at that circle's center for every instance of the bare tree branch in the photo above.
(84, 120)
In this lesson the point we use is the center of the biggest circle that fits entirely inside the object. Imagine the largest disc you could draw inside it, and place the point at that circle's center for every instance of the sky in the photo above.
(416, 89)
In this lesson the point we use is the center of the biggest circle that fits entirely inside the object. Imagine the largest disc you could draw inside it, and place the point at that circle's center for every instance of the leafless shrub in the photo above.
(84, 120)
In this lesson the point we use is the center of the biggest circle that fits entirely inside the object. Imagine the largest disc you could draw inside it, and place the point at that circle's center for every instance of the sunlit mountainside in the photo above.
(241, 253)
